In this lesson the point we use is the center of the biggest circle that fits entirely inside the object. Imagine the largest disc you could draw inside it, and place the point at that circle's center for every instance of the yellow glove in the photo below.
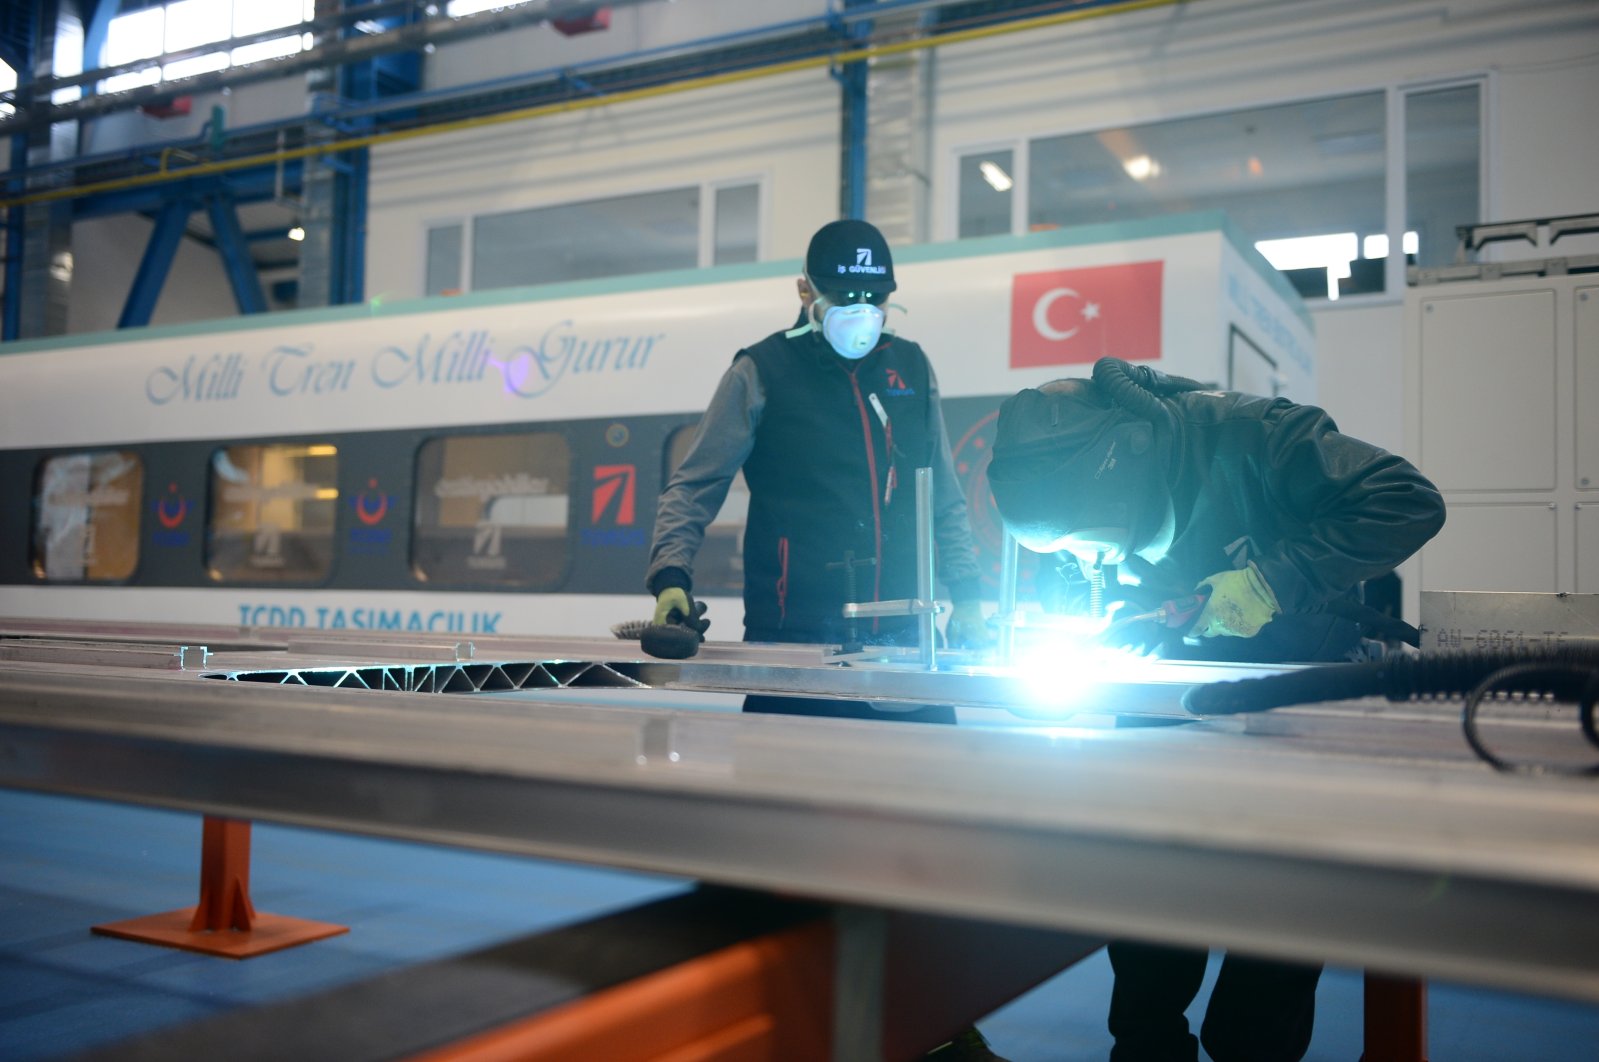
(1240, 604)
(672, 599)
(967, 628)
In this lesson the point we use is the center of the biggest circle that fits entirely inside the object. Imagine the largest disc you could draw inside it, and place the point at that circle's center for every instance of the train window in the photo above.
(86, 514)
(492, 510)
(719, 565)
(272, 513)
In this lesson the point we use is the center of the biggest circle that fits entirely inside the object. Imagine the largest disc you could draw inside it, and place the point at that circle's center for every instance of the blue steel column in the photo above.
(157, 261)
(11, 316)
(853, 78)
(235, 252)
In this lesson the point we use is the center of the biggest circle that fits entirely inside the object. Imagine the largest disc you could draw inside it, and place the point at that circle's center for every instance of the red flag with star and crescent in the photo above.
(1077, 316)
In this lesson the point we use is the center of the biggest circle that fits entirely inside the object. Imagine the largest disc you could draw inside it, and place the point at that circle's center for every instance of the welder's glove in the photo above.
(672, 606)
(967, 629)
(1240, 604)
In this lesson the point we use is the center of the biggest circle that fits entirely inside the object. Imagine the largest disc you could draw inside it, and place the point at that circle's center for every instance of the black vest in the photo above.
(828, 477)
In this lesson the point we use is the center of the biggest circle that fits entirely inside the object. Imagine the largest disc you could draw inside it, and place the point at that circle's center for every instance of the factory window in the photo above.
(8, 83)
(581, 241)
(1442, 178)
(444, 260)
(618, 236)
(493, 510)
(272, 513)
(188, 27)
(986, 192)
(1306, 181)
(719, 565)
(86, 517)
(737, 224)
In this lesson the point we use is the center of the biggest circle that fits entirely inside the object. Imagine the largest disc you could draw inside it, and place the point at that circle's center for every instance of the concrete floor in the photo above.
(67, 864)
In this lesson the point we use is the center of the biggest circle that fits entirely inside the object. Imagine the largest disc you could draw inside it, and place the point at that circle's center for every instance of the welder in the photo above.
(1235, 527)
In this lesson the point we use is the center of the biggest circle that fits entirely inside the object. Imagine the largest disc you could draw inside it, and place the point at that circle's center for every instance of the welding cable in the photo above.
(1401, 677)
(1561, 680)
(1569, 674)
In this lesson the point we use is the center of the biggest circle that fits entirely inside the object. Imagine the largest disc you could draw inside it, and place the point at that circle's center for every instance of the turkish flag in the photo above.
(1077, 316)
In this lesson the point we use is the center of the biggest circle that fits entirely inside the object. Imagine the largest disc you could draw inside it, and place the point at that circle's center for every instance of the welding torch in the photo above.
(1175, 614)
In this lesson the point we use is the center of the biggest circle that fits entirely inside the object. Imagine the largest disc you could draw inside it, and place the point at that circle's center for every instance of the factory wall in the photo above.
(782, 131)
(632, 29)
(1541, 61)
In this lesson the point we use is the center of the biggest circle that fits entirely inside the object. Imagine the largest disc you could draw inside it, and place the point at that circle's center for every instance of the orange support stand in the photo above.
(225, 922)
(1396, 1019)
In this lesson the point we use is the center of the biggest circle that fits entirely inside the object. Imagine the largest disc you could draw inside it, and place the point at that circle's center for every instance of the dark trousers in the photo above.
(1259, 1011)
(830, 709)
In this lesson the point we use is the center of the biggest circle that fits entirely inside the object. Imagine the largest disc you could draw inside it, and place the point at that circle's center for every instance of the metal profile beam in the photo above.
(1194, 836)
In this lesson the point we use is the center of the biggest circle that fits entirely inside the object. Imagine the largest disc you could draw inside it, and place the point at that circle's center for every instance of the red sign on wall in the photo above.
(1077, 316)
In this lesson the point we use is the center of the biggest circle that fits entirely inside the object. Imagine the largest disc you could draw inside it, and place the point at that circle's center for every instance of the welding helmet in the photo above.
(1073, 471)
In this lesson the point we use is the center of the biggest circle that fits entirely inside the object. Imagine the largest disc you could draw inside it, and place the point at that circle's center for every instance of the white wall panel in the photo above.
(1494, 547)
(1587, 389)
(1488, 390)
(1357, 350)
(1588, 548)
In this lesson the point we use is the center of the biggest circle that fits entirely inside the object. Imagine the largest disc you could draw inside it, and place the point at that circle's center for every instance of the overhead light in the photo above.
(1141, 167)
(297, 234)
(995, 175)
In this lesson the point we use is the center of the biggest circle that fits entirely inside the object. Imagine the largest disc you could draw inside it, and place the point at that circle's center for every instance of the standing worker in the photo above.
(829, 421)
(1263, 519)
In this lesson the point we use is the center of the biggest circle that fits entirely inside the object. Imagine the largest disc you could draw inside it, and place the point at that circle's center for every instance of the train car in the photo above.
(490, 463)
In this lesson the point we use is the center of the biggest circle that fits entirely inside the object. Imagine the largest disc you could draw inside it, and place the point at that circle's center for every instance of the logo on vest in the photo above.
(897, 387)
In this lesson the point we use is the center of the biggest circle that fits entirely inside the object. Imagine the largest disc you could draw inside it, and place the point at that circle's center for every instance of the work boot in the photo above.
(967, 1045)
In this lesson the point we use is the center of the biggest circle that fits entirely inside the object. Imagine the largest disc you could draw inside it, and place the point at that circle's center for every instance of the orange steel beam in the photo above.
(764, 1000)
(1396, 1019)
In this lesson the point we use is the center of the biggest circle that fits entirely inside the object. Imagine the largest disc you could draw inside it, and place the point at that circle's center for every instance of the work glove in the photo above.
(1240, 604)
(672, 606)
(967, 628)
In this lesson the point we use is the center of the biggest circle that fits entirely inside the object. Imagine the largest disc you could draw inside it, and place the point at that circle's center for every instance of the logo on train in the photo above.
(266, 547)
(371, 506)
(487, 540)
(171, 509)
(613, 512)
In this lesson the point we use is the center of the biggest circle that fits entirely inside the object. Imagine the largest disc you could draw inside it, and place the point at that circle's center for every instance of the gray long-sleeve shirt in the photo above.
(726, 435)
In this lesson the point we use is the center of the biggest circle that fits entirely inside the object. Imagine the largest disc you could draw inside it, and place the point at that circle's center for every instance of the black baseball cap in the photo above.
(850, 255)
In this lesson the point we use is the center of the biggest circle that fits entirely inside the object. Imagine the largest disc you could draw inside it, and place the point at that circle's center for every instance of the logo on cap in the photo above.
(863, 256)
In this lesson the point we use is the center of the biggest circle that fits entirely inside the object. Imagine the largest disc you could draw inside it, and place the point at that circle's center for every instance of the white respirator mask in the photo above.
(852, 331)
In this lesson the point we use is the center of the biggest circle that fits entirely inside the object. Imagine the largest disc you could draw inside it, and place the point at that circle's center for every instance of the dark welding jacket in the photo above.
(830, 456)
(1274, 483)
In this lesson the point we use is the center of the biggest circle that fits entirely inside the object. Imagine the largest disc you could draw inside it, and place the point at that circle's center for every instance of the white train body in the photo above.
(595, 381)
